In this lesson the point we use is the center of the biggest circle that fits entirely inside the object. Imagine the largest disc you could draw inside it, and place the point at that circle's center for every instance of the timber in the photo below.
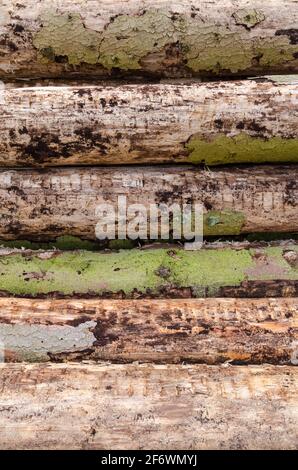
(111, 407)
(267, 271)
(45, 205)
(212, 331)
(213, 123)
(149, 38)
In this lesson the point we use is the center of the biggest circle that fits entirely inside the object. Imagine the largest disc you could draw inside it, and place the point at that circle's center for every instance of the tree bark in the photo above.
(212, 272)
(212, 123)
(147, 38)
(241, 331)
(38, 205)
(174, 407)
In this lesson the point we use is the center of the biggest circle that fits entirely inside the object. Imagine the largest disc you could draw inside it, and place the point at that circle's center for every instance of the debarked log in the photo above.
(269, 271)
(71, 38)
(212, 123)
(58, 406)
(213, 331)
(44, 205)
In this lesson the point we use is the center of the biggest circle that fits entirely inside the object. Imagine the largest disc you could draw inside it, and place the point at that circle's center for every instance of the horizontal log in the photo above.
(175, 407)
(212, 123)
(213, 272)
(41, 206)
(245, 331)
(153, 38)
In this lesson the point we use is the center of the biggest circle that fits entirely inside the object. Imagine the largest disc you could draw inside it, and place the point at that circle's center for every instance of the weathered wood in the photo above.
(213, 272)
(215, 123)
(154, 38)
(148, 407)
(39, 205)
(250, 331)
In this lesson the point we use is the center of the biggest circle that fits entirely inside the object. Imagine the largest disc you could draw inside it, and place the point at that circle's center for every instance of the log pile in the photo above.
(154, 101)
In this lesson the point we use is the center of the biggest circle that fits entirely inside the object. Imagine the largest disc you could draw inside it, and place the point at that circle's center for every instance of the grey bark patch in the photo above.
(34, 342)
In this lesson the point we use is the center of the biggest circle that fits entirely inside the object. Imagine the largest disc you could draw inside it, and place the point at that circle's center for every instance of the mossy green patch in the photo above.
(84, 272)
(241, 148)
(65, 242)
(223, 223)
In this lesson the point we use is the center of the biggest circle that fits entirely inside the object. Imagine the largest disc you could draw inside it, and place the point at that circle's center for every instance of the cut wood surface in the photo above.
(245, 331)
(148, 407)
(152, 38)
(45, 205)
(269, 271)
(215, 123)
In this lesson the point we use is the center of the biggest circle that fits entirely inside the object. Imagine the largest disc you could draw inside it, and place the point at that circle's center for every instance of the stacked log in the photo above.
(100, 345)
(214, 38)
(211, 123)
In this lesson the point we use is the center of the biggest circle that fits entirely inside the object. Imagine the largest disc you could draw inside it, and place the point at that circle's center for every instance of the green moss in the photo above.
(83, 272)
(223, 223)
(66, 242)
(242, 148)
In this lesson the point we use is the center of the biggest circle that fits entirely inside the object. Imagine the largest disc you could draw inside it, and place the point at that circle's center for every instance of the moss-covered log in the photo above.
(156, 39)
(38, 205)
(245, 331)
(212, 123)
(112, 407)
(220, 272)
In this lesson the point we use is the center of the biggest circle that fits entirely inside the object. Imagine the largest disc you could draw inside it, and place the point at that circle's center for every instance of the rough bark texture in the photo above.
(224, 272)
(150, 37)
(215, 123)
(38, 205)
(148, 407)
(250, 331)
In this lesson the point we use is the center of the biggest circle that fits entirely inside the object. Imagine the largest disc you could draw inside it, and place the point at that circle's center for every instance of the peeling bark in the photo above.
(152, 38)
(250, 331)
(213, 123)
(42, 206)
(224, 272)
(175, 407)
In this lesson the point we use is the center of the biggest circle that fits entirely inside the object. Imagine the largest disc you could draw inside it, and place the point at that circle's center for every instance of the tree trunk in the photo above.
(38, 205)
(242, 331)
(147, 38)
(215, 123)
(213, 272)
(175, 407)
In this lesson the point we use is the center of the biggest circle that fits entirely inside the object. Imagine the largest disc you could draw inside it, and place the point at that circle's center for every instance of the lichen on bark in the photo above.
(128, 39)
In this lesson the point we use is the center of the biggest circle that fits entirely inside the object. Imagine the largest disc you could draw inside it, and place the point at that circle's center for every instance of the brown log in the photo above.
(241, 331)
(148, 407)
(213, 271)
(148, 38)
(212, 123)
(38, 205)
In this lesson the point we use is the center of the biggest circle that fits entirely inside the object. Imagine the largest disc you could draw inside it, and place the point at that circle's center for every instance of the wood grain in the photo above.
(213, 123)
(44, 205)
(241, 331)
(148, 407)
